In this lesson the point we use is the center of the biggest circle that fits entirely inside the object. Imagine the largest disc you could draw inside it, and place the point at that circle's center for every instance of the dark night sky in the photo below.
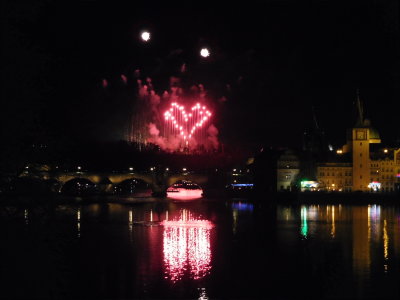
(280, 58)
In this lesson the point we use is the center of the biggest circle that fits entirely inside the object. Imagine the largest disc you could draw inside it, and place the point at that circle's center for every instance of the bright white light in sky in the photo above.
(205, 52)
(145, 36)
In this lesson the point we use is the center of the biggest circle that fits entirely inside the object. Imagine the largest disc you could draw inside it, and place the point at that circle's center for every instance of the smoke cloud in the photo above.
(150, 126)
(213, 137)
(124, 79)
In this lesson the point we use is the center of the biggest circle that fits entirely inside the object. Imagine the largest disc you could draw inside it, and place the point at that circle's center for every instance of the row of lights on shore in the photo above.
(340, 151)
(79, 169)
(166, 169)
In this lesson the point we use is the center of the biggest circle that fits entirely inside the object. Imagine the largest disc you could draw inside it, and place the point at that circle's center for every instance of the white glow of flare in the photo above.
(205, 52)
(145, 36)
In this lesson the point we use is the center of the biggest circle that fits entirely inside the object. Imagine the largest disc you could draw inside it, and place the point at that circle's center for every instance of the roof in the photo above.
(374, 134)
(289, 155)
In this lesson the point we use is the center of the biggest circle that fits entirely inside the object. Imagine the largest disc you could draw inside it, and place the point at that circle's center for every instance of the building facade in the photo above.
(360, 165)
(376, 171)
(335, 177)
(288, 170)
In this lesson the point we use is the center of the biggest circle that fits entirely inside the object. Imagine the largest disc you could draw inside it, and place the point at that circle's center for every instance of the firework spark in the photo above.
(167, 121)
(187, 125)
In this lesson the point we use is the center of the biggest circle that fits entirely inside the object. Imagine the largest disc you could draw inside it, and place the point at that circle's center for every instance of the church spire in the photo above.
(314, 118)
(360, 110)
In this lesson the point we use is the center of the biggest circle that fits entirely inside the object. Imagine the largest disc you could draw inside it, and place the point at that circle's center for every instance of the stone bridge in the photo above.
(158, 181)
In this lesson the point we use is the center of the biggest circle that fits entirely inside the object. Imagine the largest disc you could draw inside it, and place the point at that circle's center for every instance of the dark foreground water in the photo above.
(203, 249)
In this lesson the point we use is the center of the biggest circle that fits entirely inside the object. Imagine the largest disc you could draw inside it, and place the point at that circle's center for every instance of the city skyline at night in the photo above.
(200, 150)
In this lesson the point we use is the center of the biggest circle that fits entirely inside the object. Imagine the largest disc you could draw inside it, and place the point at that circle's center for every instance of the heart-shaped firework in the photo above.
(185, 124)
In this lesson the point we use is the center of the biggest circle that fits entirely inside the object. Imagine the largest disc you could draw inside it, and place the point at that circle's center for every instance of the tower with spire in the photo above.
(359, 139)
(359, 167)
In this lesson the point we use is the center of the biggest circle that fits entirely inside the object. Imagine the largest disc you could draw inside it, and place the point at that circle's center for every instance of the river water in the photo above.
(200, 249)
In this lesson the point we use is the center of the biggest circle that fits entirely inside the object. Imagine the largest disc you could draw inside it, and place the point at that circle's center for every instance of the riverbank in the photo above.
(340, 197)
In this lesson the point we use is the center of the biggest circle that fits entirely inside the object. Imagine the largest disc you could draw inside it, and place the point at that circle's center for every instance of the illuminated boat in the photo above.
(184, 190)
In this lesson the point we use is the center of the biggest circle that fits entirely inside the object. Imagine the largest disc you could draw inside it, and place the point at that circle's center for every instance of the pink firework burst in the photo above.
(185, 124)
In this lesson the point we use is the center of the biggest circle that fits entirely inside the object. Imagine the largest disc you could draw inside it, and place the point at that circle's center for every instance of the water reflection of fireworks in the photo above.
(186, 244)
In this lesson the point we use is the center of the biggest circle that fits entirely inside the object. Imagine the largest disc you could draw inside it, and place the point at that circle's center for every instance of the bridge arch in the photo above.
(29, 185)
(200, 180)
(135, 186)
(118, 178)
(78, 185)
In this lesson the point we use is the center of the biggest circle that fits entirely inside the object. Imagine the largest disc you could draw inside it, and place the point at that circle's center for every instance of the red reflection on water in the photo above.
(185, 194)
(186, 248)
